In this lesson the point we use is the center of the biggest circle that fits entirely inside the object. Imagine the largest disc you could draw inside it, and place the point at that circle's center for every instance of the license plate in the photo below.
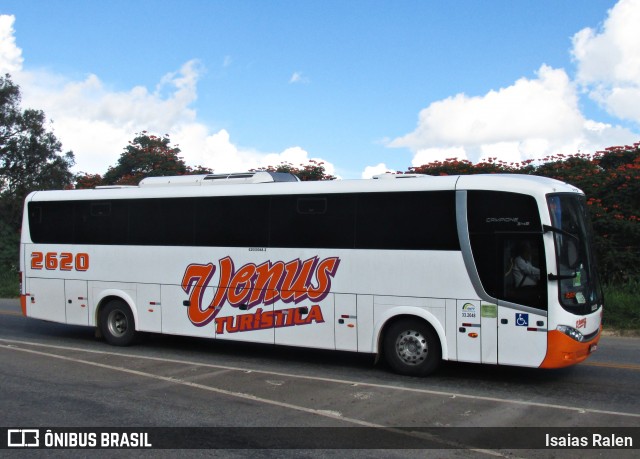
(593, 348)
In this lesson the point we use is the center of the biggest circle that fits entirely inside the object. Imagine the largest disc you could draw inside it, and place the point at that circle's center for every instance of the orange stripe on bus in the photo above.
(23, 304)
(563, 351)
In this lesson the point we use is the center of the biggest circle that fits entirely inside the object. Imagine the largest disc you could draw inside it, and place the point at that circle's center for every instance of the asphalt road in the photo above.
(54, 375)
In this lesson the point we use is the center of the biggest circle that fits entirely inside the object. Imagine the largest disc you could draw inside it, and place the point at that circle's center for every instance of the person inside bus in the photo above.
(524, 273)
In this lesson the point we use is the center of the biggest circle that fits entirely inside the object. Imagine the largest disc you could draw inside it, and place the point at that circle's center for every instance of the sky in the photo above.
(364, 85)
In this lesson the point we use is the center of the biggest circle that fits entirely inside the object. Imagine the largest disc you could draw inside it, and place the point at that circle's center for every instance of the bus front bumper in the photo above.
(563, 351)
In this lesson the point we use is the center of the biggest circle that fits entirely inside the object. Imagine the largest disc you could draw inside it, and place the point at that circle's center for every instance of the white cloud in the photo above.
(298, 78)
(539, 107)
(378, 169)
(608, 61)
(429, 155)
(10, 54)
(216, 150)
(96, 122)
(529, 119)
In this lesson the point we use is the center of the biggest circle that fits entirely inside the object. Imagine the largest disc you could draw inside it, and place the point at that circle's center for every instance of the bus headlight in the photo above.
(571, 332)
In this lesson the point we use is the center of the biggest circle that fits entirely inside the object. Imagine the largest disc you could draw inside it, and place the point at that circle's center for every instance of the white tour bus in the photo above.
(492, 269)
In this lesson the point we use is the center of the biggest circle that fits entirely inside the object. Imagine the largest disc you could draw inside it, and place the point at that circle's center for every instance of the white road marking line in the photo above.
(339, 381)
(173, 380)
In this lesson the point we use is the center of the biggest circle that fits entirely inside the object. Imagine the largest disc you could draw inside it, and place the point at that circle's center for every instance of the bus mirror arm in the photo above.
(553, 229)
(553, 277)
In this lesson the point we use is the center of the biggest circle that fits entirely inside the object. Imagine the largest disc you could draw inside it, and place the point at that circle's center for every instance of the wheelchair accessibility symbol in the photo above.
(522, 320)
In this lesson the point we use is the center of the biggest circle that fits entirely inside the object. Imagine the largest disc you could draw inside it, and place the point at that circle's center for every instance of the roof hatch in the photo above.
(220, 179)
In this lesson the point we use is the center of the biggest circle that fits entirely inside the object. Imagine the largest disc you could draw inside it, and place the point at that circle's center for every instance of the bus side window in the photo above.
(316, 206)
(322, 221)
(51, 222)
(507, 246)
(523, 267)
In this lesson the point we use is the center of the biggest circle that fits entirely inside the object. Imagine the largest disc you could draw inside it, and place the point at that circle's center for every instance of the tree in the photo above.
(610, 180)
(149, 156)
(88, 181)
(30, 159)
(454, 166)
(613, 195)
(312, 171)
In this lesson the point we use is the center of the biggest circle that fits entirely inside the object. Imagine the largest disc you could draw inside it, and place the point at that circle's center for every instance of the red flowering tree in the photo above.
(88, 181)
(453, 166)
(148, 156)
(611, 182)
(614, 198)
(312, 171)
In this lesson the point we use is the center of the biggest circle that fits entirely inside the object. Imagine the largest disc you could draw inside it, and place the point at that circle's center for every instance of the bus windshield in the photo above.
(580, 291)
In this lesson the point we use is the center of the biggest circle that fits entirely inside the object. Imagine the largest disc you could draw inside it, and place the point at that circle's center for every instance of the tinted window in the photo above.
(495, 211)
(100, 222)
(236, 221)
(146, 222)
(179, 221)
(51, 222)
(507, 246)
(326, 221)
(411, 221)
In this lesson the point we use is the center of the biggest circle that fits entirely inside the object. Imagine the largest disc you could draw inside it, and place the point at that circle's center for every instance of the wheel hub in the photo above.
(117, 323)
(412, 347)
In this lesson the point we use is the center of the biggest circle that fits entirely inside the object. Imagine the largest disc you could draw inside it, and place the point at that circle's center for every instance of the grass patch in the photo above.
(622, 306)
(9, 284)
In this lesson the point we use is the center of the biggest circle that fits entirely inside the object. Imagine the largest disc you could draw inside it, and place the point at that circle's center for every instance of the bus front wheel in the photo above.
(116, 323)
(411, 347)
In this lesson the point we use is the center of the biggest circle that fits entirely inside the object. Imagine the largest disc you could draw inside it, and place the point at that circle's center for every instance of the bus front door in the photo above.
(522, 337)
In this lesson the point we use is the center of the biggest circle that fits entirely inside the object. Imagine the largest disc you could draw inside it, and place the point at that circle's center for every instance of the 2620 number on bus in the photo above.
(64, 261)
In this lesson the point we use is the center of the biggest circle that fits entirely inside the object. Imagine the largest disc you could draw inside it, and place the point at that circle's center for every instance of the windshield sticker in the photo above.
(489, 311)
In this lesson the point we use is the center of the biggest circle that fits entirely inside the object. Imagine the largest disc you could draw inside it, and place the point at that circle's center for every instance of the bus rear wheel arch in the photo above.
(116, 323)
(411, 347)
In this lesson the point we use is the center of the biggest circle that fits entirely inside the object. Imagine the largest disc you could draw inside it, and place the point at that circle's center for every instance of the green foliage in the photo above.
(9, 284)
(611, 182)
(621, 308)
(88, 181)
(312, 171)
(454, 166)
(9, 243)
(30, 159)
(146, 155)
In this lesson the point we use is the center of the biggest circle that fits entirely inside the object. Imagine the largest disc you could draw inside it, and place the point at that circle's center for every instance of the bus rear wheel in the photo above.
(116, 323)
(411, 347)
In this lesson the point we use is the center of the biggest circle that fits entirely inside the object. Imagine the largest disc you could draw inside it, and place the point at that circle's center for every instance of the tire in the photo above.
(116, 323)
(411, 347)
